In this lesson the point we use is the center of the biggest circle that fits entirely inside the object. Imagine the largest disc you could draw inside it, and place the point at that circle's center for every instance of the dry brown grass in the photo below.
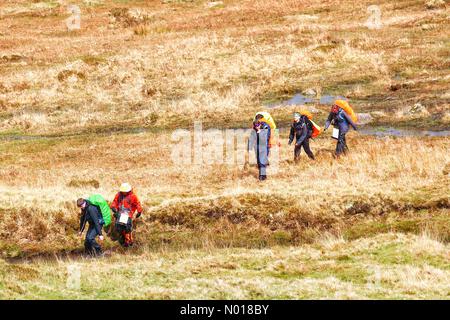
(257, 50)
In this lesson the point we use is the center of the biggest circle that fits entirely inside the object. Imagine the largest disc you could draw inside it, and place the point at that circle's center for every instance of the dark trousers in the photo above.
(341, 146)
(262, 169)
(298, 149)
(90, 245)
(125, 233)
(262, 155)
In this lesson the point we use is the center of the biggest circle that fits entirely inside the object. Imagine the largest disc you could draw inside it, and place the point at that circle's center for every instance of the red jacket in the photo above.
(129, 201)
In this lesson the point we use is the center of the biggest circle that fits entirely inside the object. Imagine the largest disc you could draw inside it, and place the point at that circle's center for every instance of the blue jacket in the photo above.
(93, 215)
(340, 120)
(259, 142)
(300, 130)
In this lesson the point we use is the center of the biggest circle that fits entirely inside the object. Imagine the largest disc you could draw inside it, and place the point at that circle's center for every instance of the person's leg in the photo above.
(345, 144)
(308, 149)
(129, 236)
(128, 239)
(340, 146)
(262, 172)
(123, 238)
(262, 157)
(297, 151)
(88, 243)
(91, 246)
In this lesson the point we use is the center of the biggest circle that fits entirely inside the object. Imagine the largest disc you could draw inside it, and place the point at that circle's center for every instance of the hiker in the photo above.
(302, 129)
(341, 120)
(265, 117)
(91, 213)
(125, 203)
(259, 141)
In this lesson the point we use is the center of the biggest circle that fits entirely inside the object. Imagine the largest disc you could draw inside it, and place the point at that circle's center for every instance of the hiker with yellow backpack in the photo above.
(265, 118)
(342, 116)
(260, 142)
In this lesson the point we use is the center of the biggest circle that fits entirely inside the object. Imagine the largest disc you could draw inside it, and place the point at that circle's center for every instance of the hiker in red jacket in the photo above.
(125, 204)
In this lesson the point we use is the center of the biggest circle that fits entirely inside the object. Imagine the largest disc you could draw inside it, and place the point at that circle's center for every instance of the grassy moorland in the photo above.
(392, 266)
(82, 111)
(150, 63)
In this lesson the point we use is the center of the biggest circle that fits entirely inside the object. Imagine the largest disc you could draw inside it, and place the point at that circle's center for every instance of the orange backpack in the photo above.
(306, 113)
(346, 107)
(316, 130)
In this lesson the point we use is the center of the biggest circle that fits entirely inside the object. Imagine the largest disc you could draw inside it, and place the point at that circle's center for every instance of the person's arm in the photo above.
(291, 134)
(303, 135)
(93, 214)
(82, 222)
(350, 120)
(115, 206)
(138, 206)
(329, 119)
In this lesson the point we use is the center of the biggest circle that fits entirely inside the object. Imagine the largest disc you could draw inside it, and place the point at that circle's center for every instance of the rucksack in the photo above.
(309, 124)
(267, 118)
(99, 201)
(346, 107)
(316, 130)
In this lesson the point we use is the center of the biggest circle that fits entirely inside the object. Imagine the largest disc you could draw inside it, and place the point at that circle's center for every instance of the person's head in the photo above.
(297, 117)
(256, 125)
(334, 108)
(339, 104)
(258, 117)
(81, 203)
(125, 187)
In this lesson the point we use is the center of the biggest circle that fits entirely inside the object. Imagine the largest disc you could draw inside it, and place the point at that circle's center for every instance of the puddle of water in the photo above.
(393, 132)
(299, 99)
(327, 99)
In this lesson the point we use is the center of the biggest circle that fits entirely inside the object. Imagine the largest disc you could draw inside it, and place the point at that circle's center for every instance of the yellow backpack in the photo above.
(267, 118)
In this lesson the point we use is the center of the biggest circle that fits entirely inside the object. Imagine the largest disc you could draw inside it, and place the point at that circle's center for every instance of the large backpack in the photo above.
(316, 130)
(346, 107)
(99, 201)
(267, 118)
(309, 124)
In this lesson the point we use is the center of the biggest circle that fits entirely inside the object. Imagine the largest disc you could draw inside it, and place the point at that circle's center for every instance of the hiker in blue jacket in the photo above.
(342, 121)
(92, 215)
(302, 130)
(259, 141)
